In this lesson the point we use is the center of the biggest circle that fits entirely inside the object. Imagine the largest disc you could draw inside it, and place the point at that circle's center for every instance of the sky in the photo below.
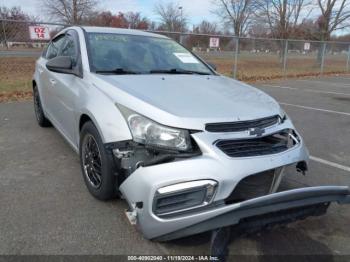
(196, 10)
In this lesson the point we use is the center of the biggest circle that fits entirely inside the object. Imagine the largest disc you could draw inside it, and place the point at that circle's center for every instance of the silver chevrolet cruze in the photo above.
(189, 149)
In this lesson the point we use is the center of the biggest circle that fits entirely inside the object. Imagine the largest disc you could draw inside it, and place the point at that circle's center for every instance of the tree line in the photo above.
(283, 19)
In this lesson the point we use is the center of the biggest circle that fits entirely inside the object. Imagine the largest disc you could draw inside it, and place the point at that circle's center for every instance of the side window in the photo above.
(69, 48)
(54, 47)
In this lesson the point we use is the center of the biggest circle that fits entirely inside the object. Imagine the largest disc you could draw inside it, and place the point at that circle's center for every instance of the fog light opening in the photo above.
(184, 196)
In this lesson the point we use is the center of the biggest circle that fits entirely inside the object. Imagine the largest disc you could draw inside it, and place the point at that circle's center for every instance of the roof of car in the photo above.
(95, 29)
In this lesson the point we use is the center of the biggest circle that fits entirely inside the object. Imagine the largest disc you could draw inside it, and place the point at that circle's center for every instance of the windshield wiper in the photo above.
(177, 71)
(117, 71)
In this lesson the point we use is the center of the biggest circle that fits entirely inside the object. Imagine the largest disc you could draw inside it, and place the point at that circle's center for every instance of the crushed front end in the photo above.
(231, 175)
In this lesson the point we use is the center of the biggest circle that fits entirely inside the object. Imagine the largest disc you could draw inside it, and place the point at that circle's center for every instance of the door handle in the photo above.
(53, 82)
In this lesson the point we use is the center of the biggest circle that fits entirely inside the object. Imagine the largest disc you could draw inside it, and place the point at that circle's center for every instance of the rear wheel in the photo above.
(38, 109)
(97, 164)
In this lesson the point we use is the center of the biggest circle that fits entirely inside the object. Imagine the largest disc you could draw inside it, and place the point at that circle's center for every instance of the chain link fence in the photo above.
(246, 59)
(251, 59)
(18, 53)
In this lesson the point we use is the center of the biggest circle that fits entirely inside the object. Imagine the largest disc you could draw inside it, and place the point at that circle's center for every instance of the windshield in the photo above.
(132, 54)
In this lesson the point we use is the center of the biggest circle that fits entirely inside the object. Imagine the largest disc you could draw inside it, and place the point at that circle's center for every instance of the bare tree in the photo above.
(14, 13)
(97, 18)
(282, 16)
(171, 16)
(206, 27)
(13, 31)
(199, 40)
(258, 28)
(122, 20)
(235, 13)
(136, 21)
(335, 15)
(69, 11)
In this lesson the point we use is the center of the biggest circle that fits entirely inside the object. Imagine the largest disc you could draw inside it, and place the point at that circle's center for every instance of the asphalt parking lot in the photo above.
(45, 207)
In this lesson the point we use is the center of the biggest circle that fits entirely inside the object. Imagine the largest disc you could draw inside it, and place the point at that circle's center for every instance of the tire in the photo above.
(97, 165)
(38, 109)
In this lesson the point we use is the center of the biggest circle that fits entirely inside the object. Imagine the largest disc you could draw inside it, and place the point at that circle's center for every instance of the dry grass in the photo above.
(15, 78)
(266, 67)
(16, 72)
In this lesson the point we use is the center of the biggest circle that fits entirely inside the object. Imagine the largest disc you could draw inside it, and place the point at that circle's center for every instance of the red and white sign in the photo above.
(214, 42)
(39, 33)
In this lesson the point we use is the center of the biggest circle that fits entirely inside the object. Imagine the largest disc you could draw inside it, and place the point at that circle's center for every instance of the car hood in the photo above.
(204, 98)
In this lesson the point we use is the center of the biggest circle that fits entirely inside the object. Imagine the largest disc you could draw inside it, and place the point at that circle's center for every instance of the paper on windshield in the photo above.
(186, 58)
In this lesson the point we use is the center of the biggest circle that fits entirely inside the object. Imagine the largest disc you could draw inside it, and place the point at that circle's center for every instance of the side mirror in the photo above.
(213, 66)
(60, 64)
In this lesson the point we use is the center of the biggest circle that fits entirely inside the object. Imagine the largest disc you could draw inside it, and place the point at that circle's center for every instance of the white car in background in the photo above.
(190, 150)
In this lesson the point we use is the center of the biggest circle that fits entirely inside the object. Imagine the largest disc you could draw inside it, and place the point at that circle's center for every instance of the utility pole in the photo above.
(324, 46)
(181, 8)
(181, 28)
(348, 61)
(285, 56)
(4, 33)
(236, 58)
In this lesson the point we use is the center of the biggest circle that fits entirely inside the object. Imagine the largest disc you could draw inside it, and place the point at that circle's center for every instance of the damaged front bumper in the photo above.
(282, 207)
(216, 176)
(254, 214)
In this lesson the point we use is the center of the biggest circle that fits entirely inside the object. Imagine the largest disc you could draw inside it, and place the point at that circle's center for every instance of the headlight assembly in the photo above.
(148, 132)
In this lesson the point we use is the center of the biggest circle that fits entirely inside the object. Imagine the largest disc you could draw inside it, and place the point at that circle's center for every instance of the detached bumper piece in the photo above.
(275, 209)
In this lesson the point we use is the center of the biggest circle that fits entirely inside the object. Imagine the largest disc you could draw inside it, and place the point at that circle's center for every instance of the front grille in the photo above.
(252, 186)
(242, 125)
(271, 144)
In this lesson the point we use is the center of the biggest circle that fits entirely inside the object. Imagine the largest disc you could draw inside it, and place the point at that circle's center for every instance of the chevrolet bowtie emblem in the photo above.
(256, 131)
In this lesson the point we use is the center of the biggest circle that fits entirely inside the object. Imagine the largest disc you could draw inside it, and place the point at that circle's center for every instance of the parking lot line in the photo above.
(308, 90)
(324, 82)
(282, 87)
(343, 77)
(329, 163)
(317, 109)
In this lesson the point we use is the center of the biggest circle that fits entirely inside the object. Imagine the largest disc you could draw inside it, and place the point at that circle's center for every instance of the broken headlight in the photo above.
(148, 132)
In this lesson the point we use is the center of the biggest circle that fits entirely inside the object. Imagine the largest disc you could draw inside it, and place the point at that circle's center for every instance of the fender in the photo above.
(108, 120)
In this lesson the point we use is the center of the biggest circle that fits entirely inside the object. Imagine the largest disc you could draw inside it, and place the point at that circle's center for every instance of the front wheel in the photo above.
(97, 164)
